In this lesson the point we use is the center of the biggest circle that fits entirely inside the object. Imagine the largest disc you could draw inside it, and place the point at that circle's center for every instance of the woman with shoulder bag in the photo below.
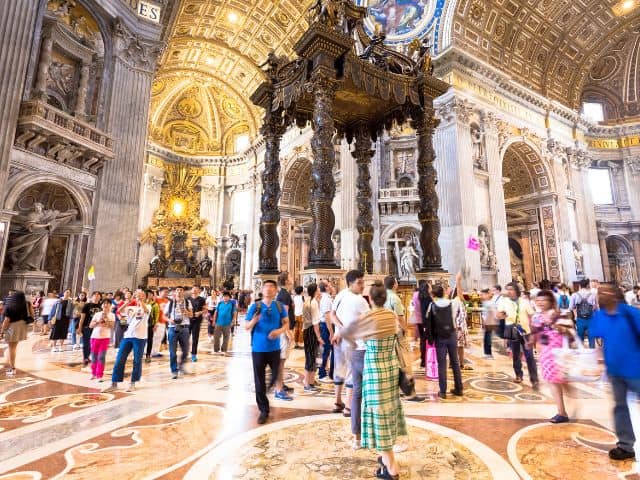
(17, 314)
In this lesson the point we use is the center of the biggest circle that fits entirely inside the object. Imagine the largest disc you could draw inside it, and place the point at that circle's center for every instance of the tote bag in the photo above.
(578, 364)
(431, 363)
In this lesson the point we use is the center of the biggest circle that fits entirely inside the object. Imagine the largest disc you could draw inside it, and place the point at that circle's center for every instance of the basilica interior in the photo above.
(220, 142)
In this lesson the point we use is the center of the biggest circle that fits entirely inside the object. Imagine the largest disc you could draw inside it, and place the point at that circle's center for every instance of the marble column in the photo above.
(323, 190)
(348, 231)
(456, 184)
(497, 206)
(635, 241)
(116, 235)
(604, 255)
(632, 179)
(17, 24)
(362, 154)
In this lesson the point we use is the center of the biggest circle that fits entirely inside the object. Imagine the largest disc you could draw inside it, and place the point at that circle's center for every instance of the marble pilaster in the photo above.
(17, 24)
(604, 256)
(454, 164)
(635, 242)
(496, 199)
(632, 179)
(114, 254)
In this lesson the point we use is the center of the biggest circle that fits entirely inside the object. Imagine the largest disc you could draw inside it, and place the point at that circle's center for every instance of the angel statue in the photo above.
(325, 11)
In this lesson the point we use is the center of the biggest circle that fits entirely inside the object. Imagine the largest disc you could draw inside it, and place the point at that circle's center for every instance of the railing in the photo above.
(35, 110)
(398, 193)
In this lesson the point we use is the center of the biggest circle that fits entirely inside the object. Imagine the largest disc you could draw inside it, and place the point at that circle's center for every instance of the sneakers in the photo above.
(310, 389)
(442, 395)
(518, 380)
(488, 357)
(93, 377)
(283, 396)
(156, 355)
(262, 418)
(535, 385)
(326, 379)
(112, 388)
(287, 388)
(147, 360)
(356, 444)
(416, 399)
(621, 454)
(559, 419)
(174, 375)
(132, 387)
(457, 393)
(10, 372)
(194, 358)
(399, 448)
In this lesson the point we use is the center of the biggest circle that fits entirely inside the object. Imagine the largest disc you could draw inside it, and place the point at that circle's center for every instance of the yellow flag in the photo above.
(91, 275)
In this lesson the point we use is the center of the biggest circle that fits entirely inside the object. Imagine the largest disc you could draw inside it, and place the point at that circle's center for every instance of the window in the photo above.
(600, 184)
(242, 142)
(593, 111)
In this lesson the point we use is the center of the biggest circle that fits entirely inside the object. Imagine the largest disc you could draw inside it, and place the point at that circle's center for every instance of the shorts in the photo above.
(285, 346)
(342, 363)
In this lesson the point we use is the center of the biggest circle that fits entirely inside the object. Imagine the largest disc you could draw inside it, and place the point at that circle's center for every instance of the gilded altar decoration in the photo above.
(178, 233)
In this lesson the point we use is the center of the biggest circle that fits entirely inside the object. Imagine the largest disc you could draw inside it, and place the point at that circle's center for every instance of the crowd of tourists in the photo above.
(357, 343)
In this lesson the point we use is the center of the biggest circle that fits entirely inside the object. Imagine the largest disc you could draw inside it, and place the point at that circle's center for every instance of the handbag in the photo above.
(513, 331)
(577, 364)
(431, 363)
(406, 382)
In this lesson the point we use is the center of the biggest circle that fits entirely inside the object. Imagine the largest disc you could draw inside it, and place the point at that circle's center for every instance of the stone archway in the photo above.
(531, 213)
(622, 263)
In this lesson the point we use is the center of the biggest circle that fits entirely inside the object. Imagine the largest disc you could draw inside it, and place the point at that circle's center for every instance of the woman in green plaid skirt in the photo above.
(382, 415)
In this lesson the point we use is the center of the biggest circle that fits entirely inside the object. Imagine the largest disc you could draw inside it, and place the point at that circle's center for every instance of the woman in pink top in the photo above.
(102, 323)
(550, 329)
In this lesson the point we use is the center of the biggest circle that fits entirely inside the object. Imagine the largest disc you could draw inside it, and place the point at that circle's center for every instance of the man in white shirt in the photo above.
(326, 332)
(178, 315)
(348, 306)
(516, 313)
(134, 338)
(298, 304)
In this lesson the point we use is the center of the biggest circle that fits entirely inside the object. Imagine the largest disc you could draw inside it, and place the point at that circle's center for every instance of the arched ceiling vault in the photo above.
(546, 45)
(215, 47)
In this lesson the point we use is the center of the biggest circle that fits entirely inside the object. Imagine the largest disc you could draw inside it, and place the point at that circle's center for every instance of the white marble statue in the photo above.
(408, 260)
(29, 248)
(578, 258)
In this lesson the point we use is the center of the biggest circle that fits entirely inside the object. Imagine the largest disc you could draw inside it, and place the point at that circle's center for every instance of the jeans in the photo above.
(225, 332)
(582, 326)
(119, 332)
(444, 348)
(86, 343)
(327, 351)
(73, 325)
(622, 419)
(178, 335)
(488, 333)
(357, 366)
(260, 362)
(99, 347)
(516, 345)
(126, 345)
(194, 328)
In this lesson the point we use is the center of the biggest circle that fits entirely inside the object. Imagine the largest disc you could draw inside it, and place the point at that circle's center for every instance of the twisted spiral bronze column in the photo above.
(364, 221)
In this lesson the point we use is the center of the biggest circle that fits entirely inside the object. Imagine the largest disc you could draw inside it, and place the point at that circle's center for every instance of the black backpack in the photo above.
(584, 309)
(442, 321)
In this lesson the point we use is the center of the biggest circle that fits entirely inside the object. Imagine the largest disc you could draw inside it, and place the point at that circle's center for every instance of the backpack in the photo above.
(259, 307)
(442, 321)
(563, 302)
(584, 309)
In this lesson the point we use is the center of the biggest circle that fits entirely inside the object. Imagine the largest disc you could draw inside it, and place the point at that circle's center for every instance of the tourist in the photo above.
(101, 324)
(225, 316)
(286, 341)
(45, 310)
(266, 319)
(583, 305)
(197, 307)
(134, 338)
(462, 331)
(517, 312)
(154, 315)
(211, 303)
(348, 306)
(326, 333)
(382, 415)
(160, 328)
(618, 325)
(298, 303)
(441, 331)
(421, 305)
(178, 316)
(550, 330)
(127, 301)
(16, 313)
(311, 335)
(37, 303)
(78, 305)
(632, 297)
(84, 326)
(564, 300)
(60, 318)
(489, 321)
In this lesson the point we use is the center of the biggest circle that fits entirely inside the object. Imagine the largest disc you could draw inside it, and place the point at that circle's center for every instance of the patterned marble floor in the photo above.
(56, 423)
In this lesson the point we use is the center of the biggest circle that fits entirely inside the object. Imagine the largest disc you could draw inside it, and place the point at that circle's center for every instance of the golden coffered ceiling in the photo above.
(210, 67)
(525, 170)
(546, 45)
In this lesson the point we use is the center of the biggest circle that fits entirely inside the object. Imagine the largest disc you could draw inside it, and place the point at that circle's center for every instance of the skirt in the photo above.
(382, 415)
(16, 332)
(60, 329)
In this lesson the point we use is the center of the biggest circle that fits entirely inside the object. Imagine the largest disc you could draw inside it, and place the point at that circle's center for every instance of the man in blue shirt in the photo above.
(618, 325)
(266, 320)
(223, 317)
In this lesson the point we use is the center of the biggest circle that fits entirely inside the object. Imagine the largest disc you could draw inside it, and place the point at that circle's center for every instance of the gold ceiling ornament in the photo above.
(179, 210)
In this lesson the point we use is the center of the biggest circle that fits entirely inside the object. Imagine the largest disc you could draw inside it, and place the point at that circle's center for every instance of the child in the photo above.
(102, 323)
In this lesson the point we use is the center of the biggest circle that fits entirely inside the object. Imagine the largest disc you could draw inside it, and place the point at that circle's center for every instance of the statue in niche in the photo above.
(337, 240)
(408, 260)
(192, 266)
(28, 248)
(234, 241)
(486, 255)
(578, 258)
(205, 266)
(478, 149)
(159, 263)
(517, 265)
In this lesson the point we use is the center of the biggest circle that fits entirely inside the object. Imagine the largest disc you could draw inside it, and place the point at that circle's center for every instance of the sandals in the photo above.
(339, 407)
